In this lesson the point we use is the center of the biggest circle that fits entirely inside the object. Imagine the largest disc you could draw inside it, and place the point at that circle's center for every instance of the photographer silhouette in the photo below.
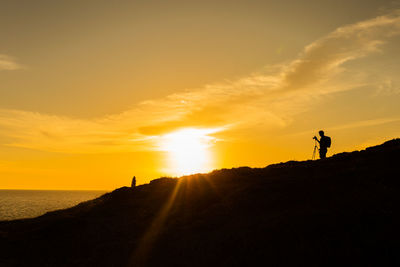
(324, 143)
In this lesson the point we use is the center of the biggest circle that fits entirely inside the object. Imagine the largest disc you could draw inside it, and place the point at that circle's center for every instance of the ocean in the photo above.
(18, 204)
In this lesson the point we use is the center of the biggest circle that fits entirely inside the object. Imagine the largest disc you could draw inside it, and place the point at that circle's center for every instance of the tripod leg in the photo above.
(314, 152)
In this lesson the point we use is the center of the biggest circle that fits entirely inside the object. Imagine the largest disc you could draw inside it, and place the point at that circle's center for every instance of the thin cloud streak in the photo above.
(8, 63)
(271, 96)
(352, 125)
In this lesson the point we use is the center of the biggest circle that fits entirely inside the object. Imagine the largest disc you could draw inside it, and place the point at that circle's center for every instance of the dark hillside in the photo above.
(342, 211)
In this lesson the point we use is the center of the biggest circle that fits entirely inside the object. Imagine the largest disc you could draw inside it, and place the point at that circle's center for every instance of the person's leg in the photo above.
(322, 153)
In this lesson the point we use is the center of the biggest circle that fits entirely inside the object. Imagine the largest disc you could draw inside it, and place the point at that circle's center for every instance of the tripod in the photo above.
(315, 150)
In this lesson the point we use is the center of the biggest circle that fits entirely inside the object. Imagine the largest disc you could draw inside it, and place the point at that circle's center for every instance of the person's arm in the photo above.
(316, 139)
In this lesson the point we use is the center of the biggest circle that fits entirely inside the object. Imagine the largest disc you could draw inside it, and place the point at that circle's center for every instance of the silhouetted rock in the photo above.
(340, 211)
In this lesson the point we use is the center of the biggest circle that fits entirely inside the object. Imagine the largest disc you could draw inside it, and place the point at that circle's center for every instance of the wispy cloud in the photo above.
(277, 93)
(271, 96)
(8, 63)
(387, 86)
(352, 125)
(323, 58)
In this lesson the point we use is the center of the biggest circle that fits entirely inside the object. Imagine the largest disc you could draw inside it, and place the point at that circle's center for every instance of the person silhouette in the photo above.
(133, 184)
(324, 143)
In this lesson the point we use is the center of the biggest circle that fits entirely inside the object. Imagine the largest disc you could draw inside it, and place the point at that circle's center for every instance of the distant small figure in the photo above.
(133, 182)
(324, 143)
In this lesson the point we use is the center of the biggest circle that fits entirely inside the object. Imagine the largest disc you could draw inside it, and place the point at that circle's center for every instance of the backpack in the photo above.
(328, 141)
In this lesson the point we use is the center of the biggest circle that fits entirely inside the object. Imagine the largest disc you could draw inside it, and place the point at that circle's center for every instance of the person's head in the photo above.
(321, 133)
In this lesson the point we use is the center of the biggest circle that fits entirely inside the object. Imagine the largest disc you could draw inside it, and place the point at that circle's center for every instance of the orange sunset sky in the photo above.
(94, 92)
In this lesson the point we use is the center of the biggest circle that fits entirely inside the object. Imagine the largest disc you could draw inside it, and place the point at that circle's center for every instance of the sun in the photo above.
(188, 150)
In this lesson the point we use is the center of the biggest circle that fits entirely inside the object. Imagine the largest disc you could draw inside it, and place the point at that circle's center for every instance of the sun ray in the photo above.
(140, 254)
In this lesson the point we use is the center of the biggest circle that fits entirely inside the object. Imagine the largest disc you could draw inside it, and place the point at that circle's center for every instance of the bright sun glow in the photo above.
(188, 150)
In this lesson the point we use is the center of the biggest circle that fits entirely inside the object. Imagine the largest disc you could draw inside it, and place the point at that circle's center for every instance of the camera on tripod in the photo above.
(315, 138)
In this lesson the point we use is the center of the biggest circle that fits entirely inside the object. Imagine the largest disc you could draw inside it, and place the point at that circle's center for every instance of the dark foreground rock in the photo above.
(342, 211)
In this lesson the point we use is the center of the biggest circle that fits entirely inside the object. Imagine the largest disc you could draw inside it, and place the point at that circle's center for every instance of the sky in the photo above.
(94, 92)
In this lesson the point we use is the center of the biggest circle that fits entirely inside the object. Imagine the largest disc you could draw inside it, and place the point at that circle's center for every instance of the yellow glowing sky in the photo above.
(93, 92)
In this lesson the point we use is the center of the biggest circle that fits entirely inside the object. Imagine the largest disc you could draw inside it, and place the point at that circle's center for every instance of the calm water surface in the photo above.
(17, 204)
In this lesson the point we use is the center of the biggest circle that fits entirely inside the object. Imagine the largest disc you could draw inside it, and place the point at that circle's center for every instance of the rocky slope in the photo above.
(340, 211)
